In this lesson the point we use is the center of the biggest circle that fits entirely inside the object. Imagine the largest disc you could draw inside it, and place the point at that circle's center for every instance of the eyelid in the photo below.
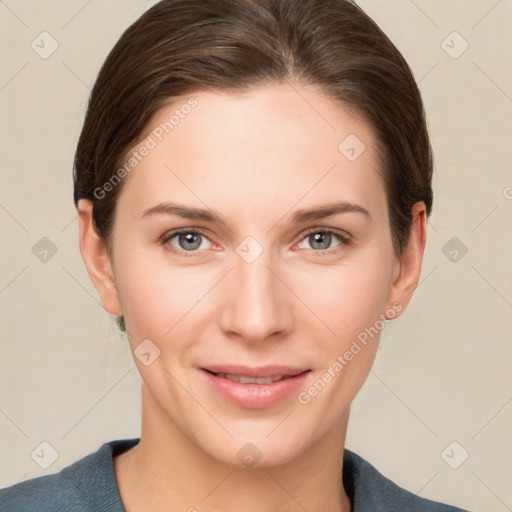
(171, 234)
(344, 237)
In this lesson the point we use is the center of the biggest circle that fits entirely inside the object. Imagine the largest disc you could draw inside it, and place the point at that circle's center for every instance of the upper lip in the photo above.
(256, 372)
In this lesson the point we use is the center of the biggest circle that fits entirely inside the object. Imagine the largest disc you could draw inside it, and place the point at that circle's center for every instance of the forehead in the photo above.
(279, 144)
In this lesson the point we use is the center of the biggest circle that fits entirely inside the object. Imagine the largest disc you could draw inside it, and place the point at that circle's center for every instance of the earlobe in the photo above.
(409, 266)
(97, 259)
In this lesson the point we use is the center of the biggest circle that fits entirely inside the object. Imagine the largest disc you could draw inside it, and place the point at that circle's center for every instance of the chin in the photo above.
(260, 450)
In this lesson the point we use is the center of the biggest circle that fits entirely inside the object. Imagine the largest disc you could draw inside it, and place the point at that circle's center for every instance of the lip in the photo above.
(255, 396)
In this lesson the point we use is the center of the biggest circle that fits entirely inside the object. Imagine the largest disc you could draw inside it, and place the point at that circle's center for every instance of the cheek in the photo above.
(348, 298)
(159, 298)
(349, 302)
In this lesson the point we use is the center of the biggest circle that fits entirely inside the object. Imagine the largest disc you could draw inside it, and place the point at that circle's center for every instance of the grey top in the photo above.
(89, 485)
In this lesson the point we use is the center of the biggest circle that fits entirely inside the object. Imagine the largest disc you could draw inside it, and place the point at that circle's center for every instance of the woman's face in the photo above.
(255, 280)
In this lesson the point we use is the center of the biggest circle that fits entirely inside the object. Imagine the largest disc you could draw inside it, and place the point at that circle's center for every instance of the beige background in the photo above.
(443, 371)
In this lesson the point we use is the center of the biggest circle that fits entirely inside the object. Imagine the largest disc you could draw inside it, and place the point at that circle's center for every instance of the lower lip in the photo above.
(255, 396)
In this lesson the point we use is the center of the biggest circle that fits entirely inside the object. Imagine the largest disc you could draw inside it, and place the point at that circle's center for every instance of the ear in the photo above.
(408, 270)
(97, 259)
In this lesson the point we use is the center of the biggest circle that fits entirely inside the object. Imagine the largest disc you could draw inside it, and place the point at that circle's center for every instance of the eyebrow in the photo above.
(207, 215)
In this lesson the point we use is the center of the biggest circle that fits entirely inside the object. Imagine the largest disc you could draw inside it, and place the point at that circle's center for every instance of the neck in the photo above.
(167, 471)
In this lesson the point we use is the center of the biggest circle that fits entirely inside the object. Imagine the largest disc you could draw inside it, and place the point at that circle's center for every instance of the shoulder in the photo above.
(86, 485)
(370, 490)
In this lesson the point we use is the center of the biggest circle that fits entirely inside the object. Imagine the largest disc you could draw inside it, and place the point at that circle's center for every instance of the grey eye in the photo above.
(189, 241)
(323, 239)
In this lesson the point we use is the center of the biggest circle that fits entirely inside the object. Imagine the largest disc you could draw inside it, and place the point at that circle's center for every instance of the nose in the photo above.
(256, 303)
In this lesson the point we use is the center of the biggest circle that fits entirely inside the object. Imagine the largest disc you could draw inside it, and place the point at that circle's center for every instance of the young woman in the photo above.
(253, 180)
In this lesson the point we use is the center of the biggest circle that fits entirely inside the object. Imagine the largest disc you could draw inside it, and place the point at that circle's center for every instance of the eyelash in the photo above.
(344, 240)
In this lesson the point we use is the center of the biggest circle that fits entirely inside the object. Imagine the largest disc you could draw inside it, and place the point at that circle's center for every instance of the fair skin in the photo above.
(254, 159)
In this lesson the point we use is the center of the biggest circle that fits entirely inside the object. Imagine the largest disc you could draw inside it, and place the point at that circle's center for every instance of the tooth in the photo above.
(250, 380)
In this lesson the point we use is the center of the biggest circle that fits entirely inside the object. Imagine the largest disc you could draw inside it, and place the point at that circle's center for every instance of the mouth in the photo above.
(255, 387)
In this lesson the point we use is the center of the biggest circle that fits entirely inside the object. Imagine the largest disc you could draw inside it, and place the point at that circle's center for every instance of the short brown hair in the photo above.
(179, 46)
